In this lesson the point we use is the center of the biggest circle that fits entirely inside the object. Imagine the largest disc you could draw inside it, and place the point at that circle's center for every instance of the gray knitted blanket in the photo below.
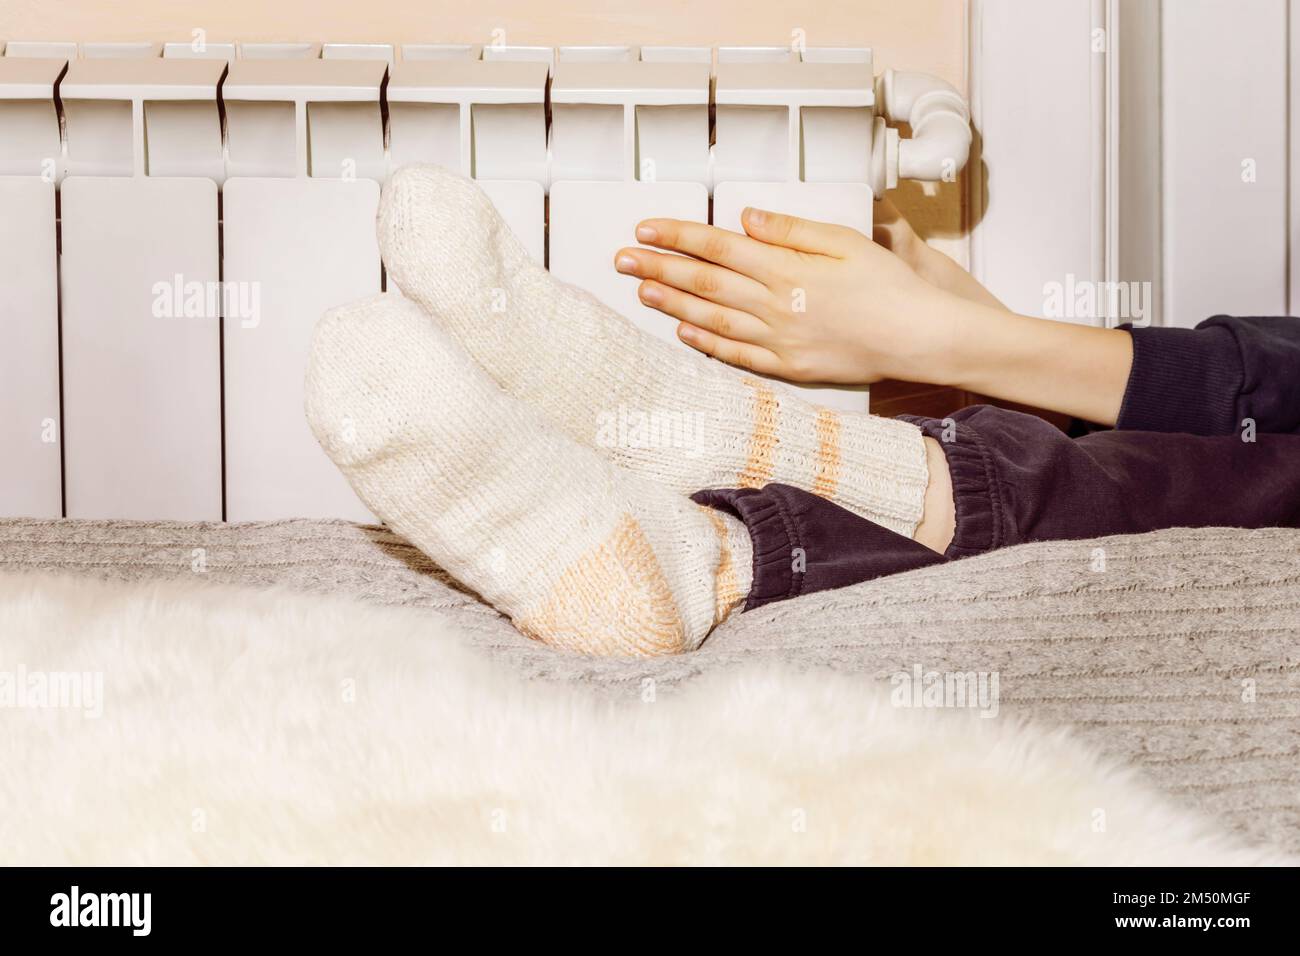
(1177, 651)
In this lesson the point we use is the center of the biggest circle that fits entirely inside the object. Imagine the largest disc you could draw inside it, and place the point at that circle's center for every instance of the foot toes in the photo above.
(352, 374)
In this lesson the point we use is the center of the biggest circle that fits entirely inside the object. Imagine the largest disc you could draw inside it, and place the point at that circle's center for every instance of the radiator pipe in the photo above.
(940, 121)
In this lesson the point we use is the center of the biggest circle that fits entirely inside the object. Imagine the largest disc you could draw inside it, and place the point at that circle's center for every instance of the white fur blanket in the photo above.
(210, 724)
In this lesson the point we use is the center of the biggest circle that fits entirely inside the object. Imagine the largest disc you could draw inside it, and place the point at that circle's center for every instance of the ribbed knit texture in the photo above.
(1183, 380)
(659, 409)
(578, 553)
(1149, 660)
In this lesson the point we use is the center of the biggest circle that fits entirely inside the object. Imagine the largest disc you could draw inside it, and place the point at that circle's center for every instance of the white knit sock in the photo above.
(650, 406)
(579, 553)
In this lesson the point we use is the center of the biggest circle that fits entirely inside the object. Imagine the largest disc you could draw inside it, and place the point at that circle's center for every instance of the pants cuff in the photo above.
(1182, 380)
(803, 543)
(976, 493)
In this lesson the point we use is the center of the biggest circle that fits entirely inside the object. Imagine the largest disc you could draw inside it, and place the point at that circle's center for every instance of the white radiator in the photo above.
(175, 218)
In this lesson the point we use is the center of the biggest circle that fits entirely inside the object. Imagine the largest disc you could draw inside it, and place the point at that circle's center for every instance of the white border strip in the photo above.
(1041, 182)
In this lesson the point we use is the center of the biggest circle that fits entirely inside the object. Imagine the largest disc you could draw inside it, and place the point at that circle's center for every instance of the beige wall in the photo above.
(916, 34)
(908, 34)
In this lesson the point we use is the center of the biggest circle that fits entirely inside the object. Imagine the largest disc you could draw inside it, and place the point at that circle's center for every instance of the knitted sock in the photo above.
(650, 406)
(579, 553)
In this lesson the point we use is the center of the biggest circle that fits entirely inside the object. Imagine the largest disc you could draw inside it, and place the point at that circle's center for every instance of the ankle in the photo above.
(939, 520)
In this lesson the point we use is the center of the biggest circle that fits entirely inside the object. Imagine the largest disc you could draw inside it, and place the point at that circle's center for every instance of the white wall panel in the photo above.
(1225, 158)
(1035, 199)
(1293, 243)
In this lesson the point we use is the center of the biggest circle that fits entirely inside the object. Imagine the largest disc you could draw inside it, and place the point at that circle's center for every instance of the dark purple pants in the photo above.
(1208, 436)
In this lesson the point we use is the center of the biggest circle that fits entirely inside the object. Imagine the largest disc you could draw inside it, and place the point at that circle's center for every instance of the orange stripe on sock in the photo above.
(826, 477)
(761, 458)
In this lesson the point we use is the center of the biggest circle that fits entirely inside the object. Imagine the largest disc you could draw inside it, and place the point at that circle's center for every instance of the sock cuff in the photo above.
(874, 467)
(882, 473)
